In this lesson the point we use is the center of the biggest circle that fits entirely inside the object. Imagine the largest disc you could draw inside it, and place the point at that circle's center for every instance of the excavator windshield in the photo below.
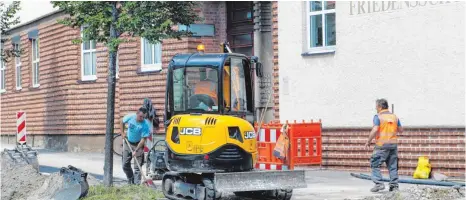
(195, 89)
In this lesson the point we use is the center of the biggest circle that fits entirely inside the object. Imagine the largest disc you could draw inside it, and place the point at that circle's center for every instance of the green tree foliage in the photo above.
(105, 22)
(7, 21)
(153, 20)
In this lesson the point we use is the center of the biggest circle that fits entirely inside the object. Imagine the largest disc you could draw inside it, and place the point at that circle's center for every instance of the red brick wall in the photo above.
(344, 150)
(45, 106)
(65, 105)
(135, 86)
(276, 100)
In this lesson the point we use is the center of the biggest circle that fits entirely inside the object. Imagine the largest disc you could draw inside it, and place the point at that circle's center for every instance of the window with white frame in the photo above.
(18, 67)
(88, 60)
(35, 62)
(2, 76)
(321, 25)
(117, 66)
(151, 57)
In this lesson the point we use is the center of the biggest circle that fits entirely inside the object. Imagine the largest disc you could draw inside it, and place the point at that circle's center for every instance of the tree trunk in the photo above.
(111, 79)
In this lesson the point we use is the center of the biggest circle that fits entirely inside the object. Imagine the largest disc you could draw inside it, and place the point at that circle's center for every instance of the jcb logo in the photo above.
(250, 135)
(190, 131)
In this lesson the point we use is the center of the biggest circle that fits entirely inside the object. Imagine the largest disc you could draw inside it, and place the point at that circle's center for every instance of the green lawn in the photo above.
(127, 192)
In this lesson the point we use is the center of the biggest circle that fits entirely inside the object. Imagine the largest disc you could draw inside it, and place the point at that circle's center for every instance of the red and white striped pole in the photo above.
(148, 144)
(21, 127)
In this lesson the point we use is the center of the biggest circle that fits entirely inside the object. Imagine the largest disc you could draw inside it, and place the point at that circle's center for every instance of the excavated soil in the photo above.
(19, 180)
(423, 193)
(49, 188)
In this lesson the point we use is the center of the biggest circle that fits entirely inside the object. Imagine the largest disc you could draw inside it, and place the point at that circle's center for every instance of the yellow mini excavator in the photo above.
(211, 145)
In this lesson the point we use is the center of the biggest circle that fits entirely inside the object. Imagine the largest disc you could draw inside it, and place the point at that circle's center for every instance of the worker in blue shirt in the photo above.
(136, 134)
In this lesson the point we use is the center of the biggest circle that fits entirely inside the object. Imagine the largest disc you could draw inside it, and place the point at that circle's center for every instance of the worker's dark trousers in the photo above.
(389, 155)
(127, 156)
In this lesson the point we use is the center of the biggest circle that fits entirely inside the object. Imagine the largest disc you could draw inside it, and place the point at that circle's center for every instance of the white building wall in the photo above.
(414, 57)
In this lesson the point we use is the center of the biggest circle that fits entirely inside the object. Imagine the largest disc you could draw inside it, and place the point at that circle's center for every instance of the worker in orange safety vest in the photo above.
(385, 129)
(208, 87)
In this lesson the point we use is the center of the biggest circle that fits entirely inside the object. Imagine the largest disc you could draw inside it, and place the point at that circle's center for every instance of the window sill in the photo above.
(319, 51)
(19, 88)
(33, 88)
(2, 91)
(149, 70)
(89, 78)
(86, 81)
(36, 86)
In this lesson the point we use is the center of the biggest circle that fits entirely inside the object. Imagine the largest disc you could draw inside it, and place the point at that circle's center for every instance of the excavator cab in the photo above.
(210, 137)
(219, 83)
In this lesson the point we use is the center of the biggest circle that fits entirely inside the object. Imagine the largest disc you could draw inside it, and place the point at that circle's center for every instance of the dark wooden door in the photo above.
(240, 27)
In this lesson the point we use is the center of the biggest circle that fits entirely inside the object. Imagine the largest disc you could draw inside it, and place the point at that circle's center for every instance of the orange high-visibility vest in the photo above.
(387, 129)
(207, 88)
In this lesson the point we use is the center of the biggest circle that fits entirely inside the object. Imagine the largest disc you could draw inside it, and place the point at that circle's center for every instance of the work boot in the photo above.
(378, 187)
(131, 181)
(393, 189)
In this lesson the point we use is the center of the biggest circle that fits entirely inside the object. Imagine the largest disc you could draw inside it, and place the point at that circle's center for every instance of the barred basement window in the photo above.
(35, 62)
(88, 60)
(151, 56)
(321, 29)
(18, 67)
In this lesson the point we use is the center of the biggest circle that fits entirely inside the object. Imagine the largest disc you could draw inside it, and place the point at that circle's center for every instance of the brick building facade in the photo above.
(67, 109)
(336, 58)
(66, 112)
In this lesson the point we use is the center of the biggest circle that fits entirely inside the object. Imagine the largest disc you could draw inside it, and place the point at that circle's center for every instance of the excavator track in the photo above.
(267, 194)
(189, 186)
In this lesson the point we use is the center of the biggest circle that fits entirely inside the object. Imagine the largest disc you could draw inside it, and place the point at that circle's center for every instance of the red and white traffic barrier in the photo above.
(269, 135)
(21, 127)
(264, 166)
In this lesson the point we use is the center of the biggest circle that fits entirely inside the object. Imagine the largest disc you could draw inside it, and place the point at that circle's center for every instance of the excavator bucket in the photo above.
(259, 180)
(24, 154)
(75, 183)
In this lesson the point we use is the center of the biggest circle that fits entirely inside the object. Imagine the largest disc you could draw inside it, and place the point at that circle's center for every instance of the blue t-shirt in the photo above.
(136, 130)
(376, 121)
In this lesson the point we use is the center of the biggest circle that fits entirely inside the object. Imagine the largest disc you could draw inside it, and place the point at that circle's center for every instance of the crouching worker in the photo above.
(136, 134)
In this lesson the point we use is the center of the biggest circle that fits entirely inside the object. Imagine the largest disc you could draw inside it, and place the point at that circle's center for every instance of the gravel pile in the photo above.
(423, 193)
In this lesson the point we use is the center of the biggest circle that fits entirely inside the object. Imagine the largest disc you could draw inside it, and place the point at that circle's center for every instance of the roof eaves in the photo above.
(34, 20)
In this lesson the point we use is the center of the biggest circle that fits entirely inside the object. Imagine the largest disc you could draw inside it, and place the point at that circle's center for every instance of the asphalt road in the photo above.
(321, 184)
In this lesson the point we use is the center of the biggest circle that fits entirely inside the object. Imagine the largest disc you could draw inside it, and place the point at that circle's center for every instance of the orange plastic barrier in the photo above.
(305, 145)
(266, 139)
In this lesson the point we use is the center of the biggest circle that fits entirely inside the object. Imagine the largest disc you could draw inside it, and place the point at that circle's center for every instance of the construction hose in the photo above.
(413, 181)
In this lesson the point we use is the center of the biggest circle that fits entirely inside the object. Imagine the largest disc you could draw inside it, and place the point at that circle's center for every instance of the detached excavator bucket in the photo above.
(259, 180)
(24, 154)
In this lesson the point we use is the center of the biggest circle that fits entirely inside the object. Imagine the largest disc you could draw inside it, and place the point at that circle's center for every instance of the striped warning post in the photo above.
(148, 144)
(21, 127)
